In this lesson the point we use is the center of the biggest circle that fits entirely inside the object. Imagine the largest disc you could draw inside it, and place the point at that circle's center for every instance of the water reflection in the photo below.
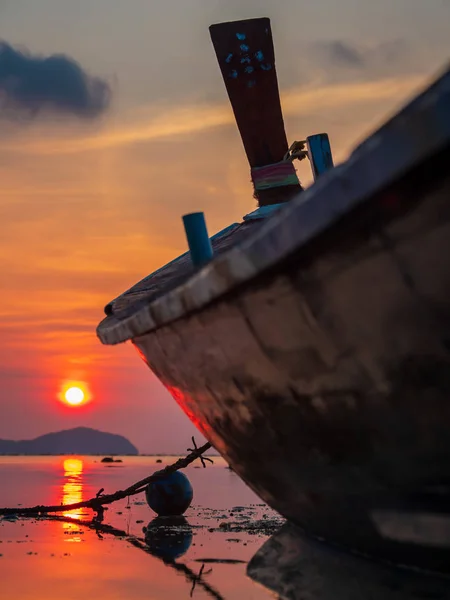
(297, 567)
(168, 538)
(72, 491)
(124, 561)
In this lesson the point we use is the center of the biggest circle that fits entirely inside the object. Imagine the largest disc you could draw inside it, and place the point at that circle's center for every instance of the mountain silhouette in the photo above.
(81, 440)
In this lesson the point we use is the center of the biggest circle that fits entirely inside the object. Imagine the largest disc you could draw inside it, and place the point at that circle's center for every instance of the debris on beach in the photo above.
(224, 561)
(242, 519)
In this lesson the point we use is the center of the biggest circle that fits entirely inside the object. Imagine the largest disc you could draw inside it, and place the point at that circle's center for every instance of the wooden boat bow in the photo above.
(313, 351)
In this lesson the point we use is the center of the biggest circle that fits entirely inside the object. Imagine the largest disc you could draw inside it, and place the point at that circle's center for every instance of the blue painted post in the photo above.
(197, 238)
(319, 152)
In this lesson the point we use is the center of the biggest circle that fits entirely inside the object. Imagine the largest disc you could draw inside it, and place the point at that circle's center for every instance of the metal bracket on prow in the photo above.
(319, 153)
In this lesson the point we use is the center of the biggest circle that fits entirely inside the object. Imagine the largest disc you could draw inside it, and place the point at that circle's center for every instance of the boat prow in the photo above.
(313, 350)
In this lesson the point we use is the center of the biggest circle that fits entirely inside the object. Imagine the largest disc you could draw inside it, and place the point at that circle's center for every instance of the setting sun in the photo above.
(74, 393)
(74, 396)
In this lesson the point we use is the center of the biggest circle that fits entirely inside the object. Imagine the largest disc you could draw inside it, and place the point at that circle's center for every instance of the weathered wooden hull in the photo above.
(315, 356)
(326, 384)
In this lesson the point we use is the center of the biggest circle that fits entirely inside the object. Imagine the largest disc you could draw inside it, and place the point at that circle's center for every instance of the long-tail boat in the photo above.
(310, 343)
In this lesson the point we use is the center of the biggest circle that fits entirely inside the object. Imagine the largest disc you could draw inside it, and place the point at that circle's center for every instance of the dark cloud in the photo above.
(337, 53)
(343, 53)
(32, 84)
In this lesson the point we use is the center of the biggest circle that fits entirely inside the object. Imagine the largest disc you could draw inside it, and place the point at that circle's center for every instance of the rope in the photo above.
(101, 500)
(281, 173)
(272, 176)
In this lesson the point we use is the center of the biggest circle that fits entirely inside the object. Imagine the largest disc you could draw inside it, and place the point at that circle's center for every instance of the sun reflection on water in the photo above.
(72, 492)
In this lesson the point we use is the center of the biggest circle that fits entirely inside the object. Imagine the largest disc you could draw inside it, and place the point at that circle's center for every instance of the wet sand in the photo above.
(133, 554)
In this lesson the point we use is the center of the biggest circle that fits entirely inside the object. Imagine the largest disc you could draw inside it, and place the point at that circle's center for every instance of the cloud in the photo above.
(343, 53)
(32, 84)
(339, 53)
(169, 124)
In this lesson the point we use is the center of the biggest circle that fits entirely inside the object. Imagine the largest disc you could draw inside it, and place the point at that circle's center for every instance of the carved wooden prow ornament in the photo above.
(246, 58)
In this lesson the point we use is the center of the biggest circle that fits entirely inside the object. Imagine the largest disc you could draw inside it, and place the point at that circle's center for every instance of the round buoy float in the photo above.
(169, 495)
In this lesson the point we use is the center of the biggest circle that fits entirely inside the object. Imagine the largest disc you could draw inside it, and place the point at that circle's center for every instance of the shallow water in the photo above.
(50, 560)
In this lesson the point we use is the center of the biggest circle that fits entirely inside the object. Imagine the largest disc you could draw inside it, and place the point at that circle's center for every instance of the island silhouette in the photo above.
(80, 440)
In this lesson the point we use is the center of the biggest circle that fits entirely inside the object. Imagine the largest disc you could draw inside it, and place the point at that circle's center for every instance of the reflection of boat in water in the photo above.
(168, 538)
(296, 568)
(314, 350)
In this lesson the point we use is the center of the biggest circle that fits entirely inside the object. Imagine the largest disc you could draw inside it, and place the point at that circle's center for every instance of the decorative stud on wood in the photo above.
(246, 58)
(197, 238)
(319, 152)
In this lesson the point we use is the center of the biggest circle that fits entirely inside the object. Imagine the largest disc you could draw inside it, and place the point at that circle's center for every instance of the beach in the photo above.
(131, 553)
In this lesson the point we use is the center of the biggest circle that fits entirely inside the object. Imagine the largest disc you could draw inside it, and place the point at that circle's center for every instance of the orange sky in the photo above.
(87, 209)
